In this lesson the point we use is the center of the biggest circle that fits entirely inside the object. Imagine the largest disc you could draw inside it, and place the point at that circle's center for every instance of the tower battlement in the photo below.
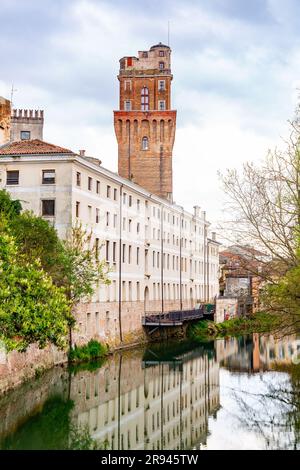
(19, 114)
(27, 124)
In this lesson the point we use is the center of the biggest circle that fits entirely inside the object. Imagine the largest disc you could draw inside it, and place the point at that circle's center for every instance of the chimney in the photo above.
(82, 153)
(196, 211)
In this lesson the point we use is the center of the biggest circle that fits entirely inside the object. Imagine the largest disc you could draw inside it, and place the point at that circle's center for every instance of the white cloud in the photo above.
(234, 83)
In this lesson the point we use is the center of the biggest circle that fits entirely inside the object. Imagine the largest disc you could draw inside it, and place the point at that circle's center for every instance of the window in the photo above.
(127, 85)
(48, 177)
(161, 85)
(78, 178)
(123, 253)
(145, 99)
(115, 220)
(130, 201)
(90, 213)
(145, 143)
(48, 207)
(98, 187)
(129, 254)
(25, 135)
(161, 105)
(161, 53)
(90, 183)
(115, 194)
(161, 66)
(108, 191)
(12, 177)
(97, 248)
(77, 208)
(138, 227)
(124, 198)
(97, 216)
(129, 225)
(137, 255)
(138, 204)
(107, 250)
(127, 105)
(107, 219)
(114, 251)
(145, 55)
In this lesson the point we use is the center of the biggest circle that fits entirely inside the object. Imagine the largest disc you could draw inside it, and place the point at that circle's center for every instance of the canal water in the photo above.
(234, 393)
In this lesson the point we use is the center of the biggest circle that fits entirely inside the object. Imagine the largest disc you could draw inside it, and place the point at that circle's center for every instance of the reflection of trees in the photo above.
(274, 414)
(51, 429)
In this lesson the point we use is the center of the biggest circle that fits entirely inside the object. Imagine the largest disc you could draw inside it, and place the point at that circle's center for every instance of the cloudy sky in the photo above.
(236, 67)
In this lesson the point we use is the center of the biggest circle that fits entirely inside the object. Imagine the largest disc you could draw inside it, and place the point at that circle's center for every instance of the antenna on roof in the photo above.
(168, 32)
(13, 89)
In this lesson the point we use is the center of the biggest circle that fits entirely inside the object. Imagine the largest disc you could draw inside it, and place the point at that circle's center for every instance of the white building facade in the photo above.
(161, 257)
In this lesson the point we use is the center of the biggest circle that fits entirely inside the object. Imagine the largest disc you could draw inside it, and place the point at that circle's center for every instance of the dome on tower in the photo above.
(160, 44)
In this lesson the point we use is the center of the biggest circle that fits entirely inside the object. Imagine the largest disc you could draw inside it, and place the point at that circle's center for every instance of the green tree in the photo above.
(32, 308)
(81, 270)
(8, 207)
(37, 239)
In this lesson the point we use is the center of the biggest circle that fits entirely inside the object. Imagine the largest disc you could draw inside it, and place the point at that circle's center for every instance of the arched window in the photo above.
(145, 99)
(145, 143)
(161, 65)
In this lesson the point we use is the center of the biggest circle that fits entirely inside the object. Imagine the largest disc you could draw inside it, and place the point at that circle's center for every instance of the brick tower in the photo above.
(145, 124)
(5, 111)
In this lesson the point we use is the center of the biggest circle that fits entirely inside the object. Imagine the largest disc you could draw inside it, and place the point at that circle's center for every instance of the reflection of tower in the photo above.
(256, 353)
(145, 124)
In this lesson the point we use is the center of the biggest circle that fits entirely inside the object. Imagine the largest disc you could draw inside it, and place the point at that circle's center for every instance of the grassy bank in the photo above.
(258, 323)
(91, 351)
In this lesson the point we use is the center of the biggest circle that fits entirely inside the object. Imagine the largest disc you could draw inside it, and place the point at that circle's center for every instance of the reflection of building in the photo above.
(163, 406)
(254, 353)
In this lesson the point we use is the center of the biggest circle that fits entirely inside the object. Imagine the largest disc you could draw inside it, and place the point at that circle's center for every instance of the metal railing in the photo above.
(171, 318)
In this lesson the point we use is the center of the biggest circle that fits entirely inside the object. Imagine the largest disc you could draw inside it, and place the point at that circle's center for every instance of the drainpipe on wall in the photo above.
(180, 258)
(162, 256)
(120, 262)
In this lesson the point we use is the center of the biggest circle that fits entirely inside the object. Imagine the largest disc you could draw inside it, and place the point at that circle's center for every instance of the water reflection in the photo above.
(231, 393)
(162, 403)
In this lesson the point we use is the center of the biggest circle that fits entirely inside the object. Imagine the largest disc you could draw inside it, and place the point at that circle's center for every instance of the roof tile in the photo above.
(32, 147)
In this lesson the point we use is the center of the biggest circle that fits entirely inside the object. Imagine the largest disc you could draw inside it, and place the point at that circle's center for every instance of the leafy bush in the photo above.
(88, 352)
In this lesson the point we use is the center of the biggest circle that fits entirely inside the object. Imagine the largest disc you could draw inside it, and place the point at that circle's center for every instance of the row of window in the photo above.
(13, 177)
(127, 256)
(145, 90)
(131, 291)
(145, 104)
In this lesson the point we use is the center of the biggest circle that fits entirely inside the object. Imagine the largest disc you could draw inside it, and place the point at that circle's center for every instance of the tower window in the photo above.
(161, 105)
(161, 53)
(127, 105)
(161, 65)
(145, 143)
(127, 85)
(145, 99)
(25, 135)
(161, 85)
(145, 55)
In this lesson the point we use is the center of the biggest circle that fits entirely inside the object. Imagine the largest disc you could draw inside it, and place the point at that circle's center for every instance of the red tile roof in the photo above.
(32, 147)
